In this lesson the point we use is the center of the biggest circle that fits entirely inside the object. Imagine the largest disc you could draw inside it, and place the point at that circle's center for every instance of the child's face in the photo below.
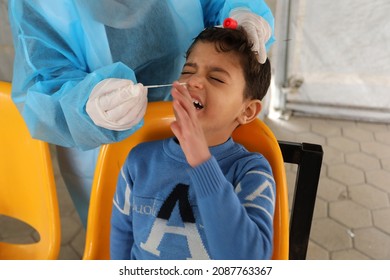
(215, 81)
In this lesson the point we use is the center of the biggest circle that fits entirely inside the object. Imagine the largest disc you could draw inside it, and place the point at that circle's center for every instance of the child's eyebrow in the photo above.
(218, 69)
(191, 64)
(210, 68)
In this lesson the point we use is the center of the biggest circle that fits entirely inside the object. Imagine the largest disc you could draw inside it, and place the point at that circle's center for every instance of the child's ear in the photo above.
(251, 111)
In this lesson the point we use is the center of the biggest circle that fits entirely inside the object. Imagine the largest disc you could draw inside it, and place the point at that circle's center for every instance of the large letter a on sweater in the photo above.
(189, 230)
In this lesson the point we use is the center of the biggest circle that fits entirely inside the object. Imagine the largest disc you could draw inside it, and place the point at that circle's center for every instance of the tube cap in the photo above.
(230, 23)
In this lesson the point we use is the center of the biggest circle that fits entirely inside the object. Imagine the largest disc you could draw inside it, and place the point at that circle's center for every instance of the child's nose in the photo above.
(195, 82)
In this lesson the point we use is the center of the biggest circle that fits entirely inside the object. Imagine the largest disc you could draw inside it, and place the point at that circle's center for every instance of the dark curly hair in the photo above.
(257, 76)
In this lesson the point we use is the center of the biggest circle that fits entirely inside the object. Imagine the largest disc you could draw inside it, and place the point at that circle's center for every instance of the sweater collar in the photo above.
(173, 149)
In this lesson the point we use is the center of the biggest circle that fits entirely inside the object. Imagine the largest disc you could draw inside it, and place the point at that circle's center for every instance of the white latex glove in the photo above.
(117, 104)
(258, 29)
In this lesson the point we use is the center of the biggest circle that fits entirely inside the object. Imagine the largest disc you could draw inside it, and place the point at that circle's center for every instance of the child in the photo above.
(200, 195)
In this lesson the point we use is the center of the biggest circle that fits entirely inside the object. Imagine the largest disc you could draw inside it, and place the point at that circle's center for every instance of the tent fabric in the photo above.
(338, 59)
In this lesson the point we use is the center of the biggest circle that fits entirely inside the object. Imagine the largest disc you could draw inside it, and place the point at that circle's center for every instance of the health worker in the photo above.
(81, 67)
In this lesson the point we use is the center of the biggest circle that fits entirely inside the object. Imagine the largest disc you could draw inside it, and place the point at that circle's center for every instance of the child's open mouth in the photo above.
(197, 104)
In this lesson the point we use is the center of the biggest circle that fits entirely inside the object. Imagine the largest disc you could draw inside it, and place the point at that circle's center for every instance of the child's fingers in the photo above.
(181, 93)
(180, 87)
(185, 125)
(183, 105)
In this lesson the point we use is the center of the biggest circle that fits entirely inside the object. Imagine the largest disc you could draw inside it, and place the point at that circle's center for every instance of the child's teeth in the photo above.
(197, 104)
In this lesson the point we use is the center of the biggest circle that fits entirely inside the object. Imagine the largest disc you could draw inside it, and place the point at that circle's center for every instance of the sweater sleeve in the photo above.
(238, 223)
(121, 235)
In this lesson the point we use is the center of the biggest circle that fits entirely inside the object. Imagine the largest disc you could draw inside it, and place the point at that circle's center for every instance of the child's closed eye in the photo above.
(217, 80)
(187, 72)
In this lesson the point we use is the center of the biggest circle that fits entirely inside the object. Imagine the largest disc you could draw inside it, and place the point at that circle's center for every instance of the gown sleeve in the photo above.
(52, 78)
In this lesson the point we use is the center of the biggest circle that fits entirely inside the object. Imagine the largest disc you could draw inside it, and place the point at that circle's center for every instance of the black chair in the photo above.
(308, 157)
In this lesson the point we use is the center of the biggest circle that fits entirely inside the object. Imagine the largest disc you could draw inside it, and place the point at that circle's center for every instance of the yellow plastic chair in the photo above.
(256, 136)
(27, 187)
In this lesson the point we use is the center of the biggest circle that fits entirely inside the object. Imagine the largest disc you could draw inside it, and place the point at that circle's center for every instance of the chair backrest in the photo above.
(27, 186)
(255, 136)
(308, 158)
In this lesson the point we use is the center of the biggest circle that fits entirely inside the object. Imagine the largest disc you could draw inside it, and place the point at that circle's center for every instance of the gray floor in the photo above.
(352, 213)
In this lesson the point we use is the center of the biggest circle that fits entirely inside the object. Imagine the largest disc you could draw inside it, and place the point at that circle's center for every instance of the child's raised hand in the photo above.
(187, 127)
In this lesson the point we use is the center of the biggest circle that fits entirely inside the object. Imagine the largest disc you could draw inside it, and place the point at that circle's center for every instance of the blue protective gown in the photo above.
(64, 48)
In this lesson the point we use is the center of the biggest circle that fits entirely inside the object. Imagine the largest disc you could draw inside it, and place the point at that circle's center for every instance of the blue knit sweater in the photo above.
(221, 209)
